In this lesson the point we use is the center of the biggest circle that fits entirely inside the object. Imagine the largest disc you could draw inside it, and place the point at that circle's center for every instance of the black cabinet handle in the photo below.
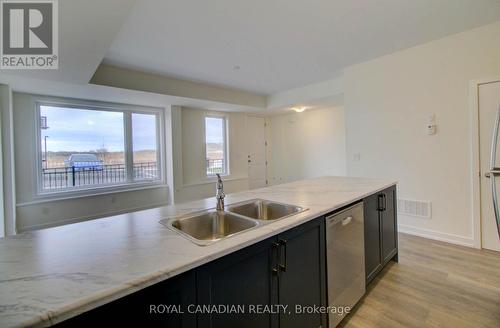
(282, 267)
(380, 202)
(276, 246)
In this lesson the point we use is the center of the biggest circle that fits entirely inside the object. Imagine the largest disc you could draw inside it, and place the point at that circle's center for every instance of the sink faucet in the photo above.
(219, 195)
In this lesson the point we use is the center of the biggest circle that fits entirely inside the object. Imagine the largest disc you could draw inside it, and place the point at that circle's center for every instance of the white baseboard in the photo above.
(435, 235)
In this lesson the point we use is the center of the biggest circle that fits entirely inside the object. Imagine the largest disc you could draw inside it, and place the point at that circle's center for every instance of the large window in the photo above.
(88, 147)
(215, 144)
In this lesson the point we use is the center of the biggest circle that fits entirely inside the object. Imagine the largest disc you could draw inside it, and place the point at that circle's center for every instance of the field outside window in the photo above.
(93, 147)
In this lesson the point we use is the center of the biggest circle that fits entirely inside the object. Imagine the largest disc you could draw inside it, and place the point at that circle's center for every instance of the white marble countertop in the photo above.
(50, 275)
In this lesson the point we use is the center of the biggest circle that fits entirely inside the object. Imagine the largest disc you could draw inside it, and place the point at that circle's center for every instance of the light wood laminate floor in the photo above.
(435, 284)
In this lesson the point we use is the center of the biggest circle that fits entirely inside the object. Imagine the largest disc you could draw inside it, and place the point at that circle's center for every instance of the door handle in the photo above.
(493, 172)
(283, 267)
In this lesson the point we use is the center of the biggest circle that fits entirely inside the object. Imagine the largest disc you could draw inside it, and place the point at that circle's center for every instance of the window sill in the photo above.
(45, 197)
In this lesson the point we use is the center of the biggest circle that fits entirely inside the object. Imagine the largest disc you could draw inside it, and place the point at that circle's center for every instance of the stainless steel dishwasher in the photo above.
(345, 254)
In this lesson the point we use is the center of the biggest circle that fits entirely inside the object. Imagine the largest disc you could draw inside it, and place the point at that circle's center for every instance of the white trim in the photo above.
(11, 157)
(2, 212)
(128, 146)
(475, 158)
(9, 162)
(266, 147)
(227, 149)
(42, 195)
(93, 192)
(436, 235)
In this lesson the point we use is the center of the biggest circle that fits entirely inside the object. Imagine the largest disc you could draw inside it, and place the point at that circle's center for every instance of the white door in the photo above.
(257, 152)
(489, 101)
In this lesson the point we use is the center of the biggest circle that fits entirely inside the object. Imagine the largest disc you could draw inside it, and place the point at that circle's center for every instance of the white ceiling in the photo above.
(281, 44)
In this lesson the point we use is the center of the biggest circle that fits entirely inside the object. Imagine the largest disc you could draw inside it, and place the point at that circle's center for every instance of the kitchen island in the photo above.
(51, 275)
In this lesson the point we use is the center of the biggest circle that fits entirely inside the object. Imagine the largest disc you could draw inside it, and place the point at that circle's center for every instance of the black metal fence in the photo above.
(215, 166)
(65, 177)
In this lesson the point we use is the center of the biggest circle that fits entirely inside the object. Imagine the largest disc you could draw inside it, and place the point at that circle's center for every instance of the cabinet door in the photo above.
(373, 256)
(135, 310)
(244, 278)
(176, 293)
(389, 225)
(302, 274)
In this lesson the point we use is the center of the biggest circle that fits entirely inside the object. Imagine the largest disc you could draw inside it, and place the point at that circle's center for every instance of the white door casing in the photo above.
(489, 102)
(257, 162)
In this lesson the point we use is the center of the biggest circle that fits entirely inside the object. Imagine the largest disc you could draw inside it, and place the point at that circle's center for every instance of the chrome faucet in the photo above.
(219, 195)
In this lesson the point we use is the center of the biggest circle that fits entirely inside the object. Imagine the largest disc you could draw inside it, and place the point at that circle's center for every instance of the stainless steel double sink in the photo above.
(209, 226)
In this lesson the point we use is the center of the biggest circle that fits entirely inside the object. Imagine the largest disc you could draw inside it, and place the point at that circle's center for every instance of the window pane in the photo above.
(144, 143)
(81, 147)
(215, 148)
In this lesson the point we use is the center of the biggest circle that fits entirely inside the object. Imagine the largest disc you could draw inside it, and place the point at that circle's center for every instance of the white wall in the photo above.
(387, 101)
(4, 102)
(136, 80)
(188, 129)
(333, 88)
(2, 214)
(34, 212)
(8, 165)
(307, 144)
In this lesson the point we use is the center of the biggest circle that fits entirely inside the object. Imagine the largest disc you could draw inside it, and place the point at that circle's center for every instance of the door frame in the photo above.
(266, 147)
(475, 157)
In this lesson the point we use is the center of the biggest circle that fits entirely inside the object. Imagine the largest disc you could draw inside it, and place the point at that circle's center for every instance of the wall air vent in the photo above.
(418, 208)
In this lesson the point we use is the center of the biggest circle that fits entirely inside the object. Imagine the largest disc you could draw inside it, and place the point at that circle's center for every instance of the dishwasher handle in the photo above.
(336, 219)
(346, 220)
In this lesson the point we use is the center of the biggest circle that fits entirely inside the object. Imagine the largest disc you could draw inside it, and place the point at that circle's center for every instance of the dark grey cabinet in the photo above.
(245, 278)
(381, 240)
(373, 256)
(388, 224)
(160, 305)
(286, 270)
(302, 278)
